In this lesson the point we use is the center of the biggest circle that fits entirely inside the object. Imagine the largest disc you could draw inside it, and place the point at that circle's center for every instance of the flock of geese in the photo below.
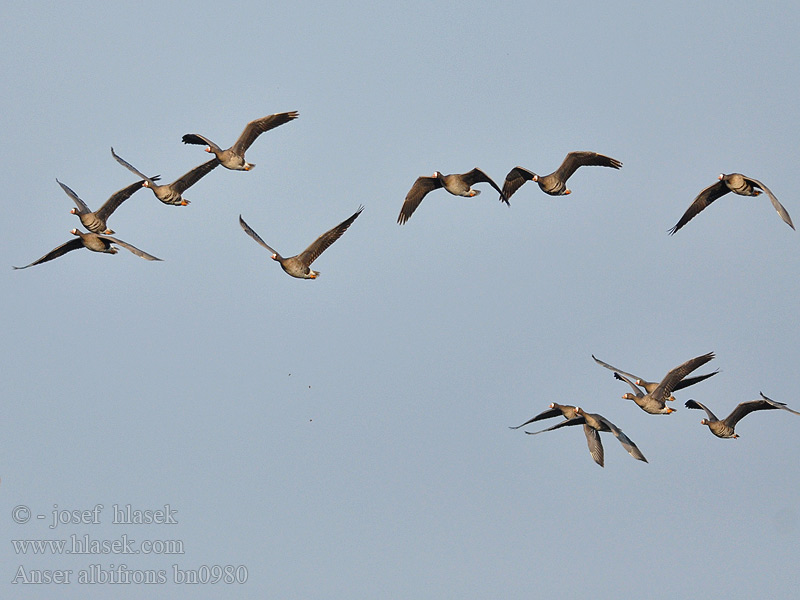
(652, 397)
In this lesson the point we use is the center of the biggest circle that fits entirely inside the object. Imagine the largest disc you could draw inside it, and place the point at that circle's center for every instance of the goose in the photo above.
(593, 424)
(456, 184)
(651, 386)
(233, 157)
(736, 183)
(725, 427)
(96, 221)
(565, 410)
(655, 402)
(95, 242)
(555, 184)
(299, 266)
(171, 193)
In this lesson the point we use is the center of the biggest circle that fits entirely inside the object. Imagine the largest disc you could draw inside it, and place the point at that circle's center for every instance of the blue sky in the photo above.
(347, 437)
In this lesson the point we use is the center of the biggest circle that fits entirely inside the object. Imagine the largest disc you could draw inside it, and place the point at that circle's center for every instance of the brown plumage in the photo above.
(92, 241)
(96, 221)
(299, 266)
(725, 428)
(651, 386)
(655, 402)
(555, 184)
(233, 157)
(736, 183)
(456, 184)
(171, 193)
(565, 410)
(593, 424)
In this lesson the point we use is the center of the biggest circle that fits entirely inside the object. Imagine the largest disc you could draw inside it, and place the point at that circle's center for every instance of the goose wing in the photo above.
(695, 404)
(73, 244)
(418, 191)
(82, 207)
(256, 237)
(189, 179)
(574, 160)
(318, 246)
(478, 176)
(704, 198)
(514, 180)
(127, 246)
(258, 126)
(776, 205)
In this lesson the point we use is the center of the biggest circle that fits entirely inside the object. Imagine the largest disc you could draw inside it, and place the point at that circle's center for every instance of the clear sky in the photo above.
(348, 437)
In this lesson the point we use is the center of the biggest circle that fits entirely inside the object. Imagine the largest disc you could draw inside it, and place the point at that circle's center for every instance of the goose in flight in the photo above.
(593, 424)
(299, 266)
(233, 157)
(95, 242)
(171, 193)
(736, 183)
(555, 184)
(456, 184)
(725, 428)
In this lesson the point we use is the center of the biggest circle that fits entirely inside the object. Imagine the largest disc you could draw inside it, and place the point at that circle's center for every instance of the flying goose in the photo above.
(736, 183)
(299, 266)
(593, 424)
(555, 184)
(456, 184)
(725, 427)
(233, 157)
(96, 221)
(565, 410)
(95, 242)
(171, 193)
(651, 386)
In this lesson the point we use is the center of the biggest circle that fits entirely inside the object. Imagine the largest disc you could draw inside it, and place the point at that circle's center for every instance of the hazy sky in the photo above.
(348, 437)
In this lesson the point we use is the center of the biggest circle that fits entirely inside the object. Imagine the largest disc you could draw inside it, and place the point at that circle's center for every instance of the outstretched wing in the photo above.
(686, 382)
(608, 366)
(626, 442)
(73, 244)
(195, 138)
(777, 205)
(189, 179)
(119, 197)
(574, 160)
(127, 246)
(567, 423)
(695, 404)
(418, 191)
(478, 176)
(704, 198)
(595, 444)
(82, 208)
(255, 128)
(514, 180)
(667, 385)
(310, 254)
(547, 414)
(636, 391)
(256, 237)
